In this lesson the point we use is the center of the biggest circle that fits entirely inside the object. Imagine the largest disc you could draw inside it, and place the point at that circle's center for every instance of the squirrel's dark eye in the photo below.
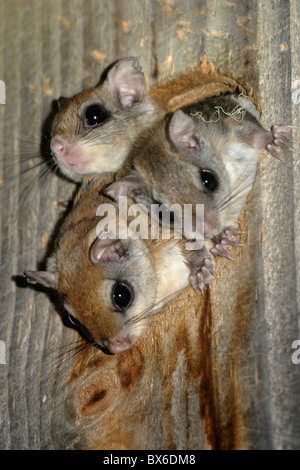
(209, 180)
(95, 115)
(122, 296)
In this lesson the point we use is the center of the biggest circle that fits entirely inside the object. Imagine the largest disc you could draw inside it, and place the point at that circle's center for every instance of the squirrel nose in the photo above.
(58, 146)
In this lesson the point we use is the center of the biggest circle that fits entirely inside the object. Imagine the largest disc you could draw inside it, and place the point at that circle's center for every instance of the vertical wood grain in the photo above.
(212, 371)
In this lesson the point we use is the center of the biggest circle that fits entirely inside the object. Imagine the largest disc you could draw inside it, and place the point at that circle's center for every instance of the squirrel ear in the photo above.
(62, 102)
(46, 278)
(127, 81)
(129, 186)
(182, 130)
(105, 251)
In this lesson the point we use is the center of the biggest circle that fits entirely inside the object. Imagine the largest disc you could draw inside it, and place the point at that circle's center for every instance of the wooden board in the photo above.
(212, 371)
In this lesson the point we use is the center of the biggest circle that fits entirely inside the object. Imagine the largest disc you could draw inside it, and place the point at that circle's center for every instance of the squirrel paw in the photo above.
(203, 276)
(224, 241)
(282, 140)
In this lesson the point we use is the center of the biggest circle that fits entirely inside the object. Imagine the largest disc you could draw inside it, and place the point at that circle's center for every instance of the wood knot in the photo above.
(95, 394)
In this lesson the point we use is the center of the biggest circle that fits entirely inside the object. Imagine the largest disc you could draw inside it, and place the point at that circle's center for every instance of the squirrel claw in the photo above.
(226, 239)
(281, 140)
(203, 276)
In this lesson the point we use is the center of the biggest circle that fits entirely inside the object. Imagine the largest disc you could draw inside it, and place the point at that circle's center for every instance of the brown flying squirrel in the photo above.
(206, 153)
(101, 281)
(93, 131)
(86, 268)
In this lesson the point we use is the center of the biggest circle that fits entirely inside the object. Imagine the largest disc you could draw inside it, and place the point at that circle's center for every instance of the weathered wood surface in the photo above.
(212, 371)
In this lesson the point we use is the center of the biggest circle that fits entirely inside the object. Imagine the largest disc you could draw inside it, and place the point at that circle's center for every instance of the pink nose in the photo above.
(119, 344)
(59, 146)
